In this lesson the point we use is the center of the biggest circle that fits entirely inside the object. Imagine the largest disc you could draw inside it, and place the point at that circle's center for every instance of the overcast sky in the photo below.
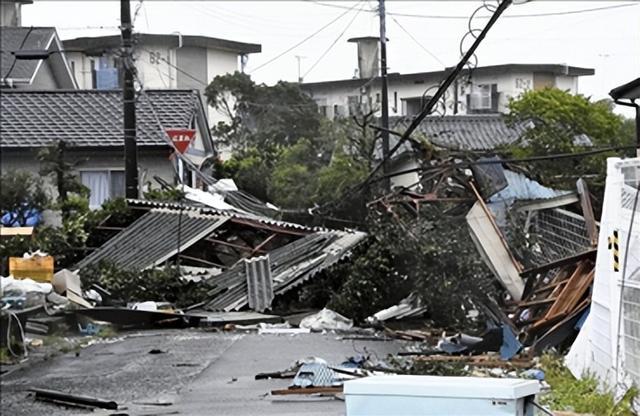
(607, 40)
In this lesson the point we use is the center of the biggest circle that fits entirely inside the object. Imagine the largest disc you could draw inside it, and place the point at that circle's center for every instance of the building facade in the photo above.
(485, 89)
(89, 122)
(163, 61)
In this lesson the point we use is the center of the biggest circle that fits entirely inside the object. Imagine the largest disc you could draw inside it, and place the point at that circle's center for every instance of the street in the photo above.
(195, 373)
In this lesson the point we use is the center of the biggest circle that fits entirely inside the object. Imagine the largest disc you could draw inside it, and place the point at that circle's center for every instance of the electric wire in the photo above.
(303, 40)
(512, 16)
(252, 104)
(431, 54)
(441, 90)
(13, 64)
(333, 43)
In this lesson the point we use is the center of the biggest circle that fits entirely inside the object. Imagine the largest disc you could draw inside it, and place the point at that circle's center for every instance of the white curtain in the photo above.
(98, 184)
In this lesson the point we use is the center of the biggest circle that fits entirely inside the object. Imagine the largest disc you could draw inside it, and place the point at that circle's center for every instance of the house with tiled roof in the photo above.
(90, 123)
(54, 72)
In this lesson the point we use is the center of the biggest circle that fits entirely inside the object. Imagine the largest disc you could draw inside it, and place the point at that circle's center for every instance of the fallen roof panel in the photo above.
(152, 239)
(291, 266)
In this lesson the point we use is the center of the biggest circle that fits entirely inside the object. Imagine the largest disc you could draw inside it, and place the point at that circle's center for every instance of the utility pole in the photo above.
(385, 99)
(299, 58)
(129, 104)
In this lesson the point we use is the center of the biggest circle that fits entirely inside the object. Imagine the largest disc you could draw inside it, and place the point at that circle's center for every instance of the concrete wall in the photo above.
(192, 61)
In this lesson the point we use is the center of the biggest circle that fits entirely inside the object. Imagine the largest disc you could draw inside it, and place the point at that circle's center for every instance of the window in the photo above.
(103, 184)
(413, 106)
(481, 97)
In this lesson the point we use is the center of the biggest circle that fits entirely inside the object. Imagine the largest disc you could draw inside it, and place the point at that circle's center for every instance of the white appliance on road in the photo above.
(439, 396)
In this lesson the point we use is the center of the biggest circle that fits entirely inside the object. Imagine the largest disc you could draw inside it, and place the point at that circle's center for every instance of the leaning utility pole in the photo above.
(385, 99)
(129, 104)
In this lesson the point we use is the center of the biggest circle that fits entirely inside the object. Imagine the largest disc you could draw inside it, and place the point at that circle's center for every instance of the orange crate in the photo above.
(38, 268)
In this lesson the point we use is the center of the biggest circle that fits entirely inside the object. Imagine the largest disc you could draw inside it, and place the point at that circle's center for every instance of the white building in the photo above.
(163, 61)
(490, 89)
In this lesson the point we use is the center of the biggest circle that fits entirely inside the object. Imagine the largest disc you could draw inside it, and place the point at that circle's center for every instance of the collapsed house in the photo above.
(246, 259)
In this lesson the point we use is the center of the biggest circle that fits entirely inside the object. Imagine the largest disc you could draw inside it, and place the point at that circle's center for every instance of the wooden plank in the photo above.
(560, 307)
(536, 302)
(497, 229)
(577, 294)
(587, 211)
(568, 298)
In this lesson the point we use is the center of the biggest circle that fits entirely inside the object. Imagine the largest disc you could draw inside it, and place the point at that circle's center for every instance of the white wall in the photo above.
(510, 85)
(219, 63)
(565, 82)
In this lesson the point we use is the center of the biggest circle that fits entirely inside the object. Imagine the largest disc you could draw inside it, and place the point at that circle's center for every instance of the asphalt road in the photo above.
(196, 373)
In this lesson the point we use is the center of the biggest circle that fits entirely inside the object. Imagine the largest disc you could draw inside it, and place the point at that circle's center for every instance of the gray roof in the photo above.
(630, 90)
(101, 43)
(22, 38)
(141, 203)
(556, 69)
(465, 132)
(90, 118)
(151, 239)
(290, 266)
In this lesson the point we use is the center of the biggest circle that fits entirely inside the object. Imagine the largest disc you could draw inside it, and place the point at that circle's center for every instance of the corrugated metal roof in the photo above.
(228, 213)
(152, 239)
(465, 132)
(291, 265)
(259, 283)
(90, 118)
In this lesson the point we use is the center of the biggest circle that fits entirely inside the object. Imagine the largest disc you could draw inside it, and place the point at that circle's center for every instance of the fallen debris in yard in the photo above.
(326, 320)
(131, 318)
(66, 399)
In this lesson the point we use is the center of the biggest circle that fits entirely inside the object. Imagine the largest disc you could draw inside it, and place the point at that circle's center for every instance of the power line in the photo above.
(417, 42)
(334, 42)
(249, 103)
(442, 88)
(461, 17)
(531, 159)
(305, 39)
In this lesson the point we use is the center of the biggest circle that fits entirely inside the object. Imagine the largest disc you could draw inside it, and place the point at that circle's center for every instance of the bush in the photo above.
(581, 395)
(158, 284)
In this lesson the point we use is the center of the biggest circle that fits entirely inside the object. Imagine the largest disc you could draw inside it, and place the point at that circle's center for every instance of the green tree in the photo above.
(261, 116)
(20, 194)
(72, 194)
(561, 122)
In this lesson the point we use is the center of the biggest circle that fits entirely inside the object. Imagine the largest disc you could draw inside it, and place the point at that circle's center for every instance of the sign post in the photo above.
(181, 139)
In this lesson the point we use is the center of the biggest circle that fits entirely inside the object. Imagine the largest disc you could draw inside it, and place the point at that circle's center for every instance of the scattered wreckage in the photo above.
(246, 260)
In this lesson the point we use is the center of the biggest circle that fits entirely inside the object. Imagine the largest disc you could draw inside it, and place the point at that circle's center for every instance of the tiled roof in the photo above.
(90, 118)
(21, 38)
(465, 132)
